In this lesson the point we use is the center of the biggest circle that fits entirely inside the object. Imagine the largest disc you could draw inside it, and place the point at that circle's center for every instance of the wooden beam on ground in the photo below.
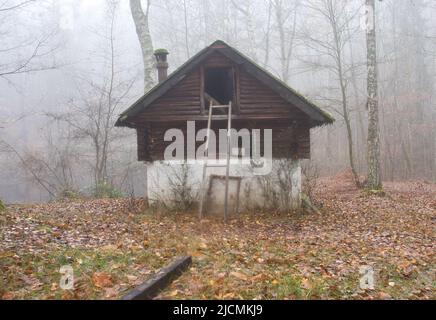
(150, 288)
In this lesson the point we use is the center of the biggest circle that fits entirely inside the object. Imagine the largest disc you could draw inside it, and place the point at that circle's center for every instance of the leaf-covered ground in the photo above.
(113, 248)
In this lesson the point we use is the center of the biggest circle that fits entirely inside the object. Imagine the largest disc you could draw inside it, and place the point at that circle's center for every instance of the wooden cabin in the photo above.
(219, 74)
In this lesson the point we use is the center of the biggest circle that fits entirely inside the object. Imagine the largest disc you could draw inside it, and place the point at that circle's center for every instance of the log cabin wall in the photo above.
(288, 142)
(256, 106)
(258, 101)
(181, 101)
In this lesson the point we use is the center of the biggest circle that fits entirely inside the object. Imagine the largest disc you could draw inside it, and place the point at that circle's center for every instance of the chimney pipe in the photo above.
(161, 64)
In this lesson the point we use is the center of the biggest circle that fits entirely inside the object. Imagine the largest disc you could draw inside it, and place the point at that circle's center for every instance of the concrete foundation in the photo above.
(280, 189)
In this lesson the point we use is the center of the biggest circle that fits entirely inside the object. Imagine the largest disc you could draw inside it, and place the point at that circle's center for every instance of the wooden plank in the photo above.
(149, 289)
(198, 117)
(202, 106)
(237, 90)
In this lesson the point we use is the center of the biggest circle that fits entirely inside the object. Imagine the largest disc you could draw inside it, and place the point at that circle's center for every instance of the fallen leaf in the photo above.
(6, 254)
(110, 292)
(203, 245)
(109, 247)
(196, 254)
(102, 280)
(132, 278)
(259, 277)
(239, 275)
(306, 284)
(384, 296)
(8, 296)
(173, 293)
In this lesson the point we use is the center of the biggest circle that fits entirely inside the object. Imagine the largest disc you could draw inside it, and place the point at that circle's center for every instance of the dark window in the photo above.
(219, 86)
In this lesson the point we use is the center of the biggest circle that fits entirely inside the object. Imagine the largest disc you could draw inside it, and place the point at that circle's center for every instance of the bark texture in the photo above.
(143, 31)
(374, 180)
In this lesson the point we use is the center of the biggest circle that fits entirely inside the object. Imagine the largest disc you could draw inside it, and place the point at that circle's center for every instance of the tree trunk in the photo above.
(342, 84)
(142, 30)
(349, 136)
(251, 29)
(374, 180)
(360, 128)
(267, 38)
(188, 54)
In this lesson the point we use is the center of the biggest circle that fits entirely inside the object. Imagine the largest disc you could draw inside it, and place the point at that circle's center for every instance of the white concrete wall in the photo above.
(251, 194)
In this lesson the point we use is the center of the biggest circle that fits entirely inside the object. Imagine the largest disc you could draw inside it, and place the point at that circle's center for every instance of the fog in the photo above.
(55, 59)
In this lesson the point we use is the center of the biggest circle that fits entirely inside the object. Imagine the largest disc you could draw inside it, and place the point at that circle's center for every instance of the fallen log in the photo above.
(159, 281)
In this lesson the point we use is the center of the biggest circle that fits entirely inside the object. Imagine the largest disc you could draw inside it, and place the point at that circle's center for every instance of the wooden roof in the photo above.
(315, 113)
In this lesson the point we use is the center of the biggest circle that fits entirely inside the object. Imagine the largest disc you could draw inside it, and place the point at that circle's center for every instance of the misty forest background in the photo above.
(68, 68)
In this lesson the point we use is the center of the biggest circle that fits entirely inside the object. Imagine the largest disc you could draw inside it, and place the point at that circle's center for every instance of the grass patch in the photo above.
(41, 274)
(113, 248)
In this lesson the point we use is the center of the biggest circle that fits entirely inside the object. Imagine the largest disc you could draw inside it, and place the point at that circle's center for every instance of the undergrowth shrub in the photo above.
(276, 187)
(310, 176)
(69, 193)
(181, 195)
(106, 190)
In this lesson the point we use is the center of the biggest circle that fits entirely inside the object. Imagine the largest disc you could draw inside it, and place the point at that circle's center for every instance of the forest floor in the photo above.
(113, 246)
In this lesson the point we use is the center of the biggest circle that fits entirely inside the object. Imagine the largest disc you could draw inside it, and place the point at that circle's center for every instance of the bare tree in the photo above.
(374, 178)
(245, 8)
(33, 168)
(286, 20)
(268, 36)
(185, 16)
(331, 45)
(22, 53)
(92, 116)
(143, 32)
(406, 99)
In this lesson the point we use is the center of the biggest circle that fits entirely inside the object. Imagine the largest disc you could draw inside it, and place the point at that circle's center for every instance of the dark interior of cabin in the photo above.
(219, 85)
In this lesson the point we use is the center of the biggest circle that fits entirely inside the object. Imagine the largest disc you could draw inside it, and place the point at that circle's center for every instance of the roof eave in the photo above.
(315, 113)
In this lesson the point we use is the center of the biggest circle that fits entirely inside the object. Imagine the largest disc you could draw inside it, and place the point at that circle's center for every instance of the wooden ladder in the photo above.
(207, 165)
